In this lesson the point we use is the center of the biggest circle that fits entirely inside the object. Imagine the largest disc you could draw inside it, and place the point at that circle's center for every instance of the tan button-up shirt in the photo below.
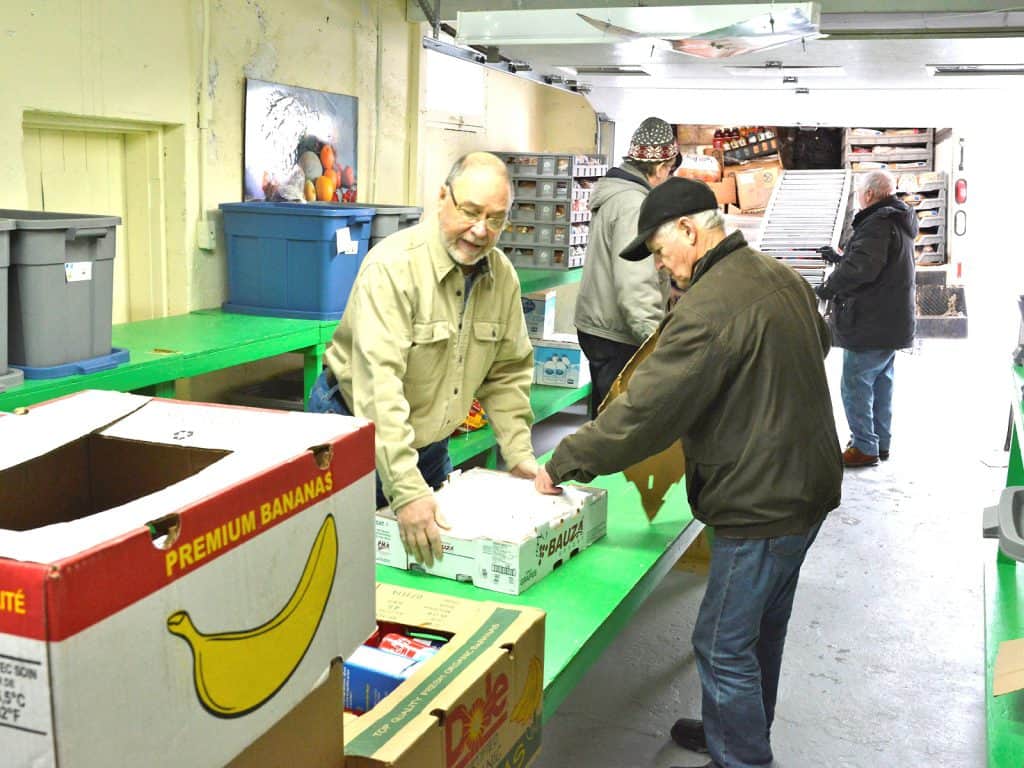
(411, 352)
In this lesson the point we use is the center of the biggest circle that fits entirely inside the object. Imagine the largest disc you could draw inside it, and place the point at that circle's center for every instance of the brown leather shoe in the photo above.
(853, 458)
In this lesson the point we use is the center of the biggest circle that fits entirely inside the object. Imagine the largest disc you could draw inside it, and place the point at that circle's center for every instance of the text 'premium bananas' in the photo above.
(238, 671)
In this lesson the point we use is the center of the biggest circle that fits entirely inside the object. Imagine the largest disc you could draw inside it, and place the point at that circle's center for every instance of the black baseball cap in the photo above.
(672, 199)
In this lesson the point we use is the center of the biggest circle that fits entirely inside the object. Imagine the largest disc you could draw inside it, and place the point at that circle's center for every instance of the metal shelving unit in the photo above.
(806, 212)
(928, 198)
(894, 150)
(549, 221)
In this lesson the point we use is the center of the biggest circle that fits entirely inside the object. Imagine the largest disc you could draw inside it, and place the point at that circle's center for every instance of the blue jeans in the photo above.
(867, 397)
(738, 640)
(434, 462)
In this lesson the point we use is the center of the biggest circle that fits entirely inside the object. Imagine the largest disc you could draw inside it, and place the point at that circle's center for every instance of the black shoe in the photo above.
(689, 734)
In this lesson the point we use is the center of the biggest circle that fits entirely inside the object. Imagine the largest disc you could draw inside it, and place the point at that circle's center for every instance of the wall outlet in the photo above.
(206, 234)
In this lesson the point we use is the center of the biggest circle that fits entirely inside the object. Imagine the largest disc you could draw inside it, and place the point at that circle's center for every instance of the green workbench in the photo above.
(531, 280)
(545, 402)
(165, 349)
(1004, 619)
(591, 597)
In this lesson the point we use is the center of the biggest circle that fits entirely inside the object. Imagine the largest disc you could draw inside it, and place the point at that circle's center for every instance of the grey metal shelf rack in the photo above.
(548, 223)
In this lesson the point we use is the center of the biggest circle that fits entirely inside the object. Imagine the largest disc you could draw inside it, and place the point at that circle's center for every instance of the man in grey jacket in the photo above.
(620, 303)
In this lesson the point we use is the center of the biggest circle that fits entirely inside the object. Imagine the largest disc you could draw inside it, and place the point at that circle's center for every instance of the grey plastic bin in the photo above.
(8, 377)
(387, 219)
(61, 286)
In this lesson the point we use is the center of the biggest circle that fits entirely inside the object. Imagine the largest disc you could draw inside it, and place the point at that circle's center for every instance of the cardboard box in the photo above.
(754, 188)
(772, 161)
(177, 568)
(539, 309)
(559, 362)
(725, 190)
(504, 536)
(477, 703)
(312, 734)
(655, 475)
(1008, 674)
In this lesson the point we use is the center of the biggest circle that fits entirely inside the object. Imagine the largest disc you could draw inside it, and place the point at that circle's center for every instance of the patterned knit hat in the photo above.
(653, 141)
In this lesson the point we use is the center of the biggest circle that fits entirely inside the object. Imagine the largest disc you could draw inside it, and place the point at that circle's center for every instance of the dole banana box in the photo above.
(175, 578)
(503, 535)
(477, 703)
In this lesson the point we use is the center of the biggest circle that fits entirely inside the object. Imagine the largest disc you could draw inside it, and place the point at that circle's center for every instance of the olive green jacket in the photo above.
(738, 375)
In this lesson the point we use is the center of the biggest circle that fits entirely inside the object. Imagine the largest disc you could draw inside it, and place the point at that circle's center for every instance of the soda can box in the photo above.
(539, 310)
(504, 535)
(171, 568)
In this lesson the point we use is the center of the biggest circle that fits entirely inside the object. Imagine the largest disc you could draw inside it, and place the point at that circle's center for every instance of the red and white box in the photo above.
(174, 577)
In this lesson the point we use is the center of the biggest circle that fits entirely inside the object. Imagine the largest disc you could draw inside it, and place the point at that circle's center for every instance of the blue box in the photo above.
(371, 674)
(293, 259)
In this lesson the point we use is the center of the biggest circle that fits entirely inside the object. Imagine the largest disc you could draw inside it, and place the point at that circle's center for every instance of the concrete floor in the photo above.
(884, 660)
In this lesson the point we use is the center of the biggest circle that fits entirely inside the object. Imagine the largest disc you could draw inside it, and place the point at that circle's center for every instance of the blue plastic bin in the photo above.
(283, 258)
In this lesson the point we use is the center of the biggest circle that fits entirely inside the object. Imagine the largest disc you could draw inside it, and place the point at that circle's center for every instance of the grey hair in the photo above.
(709, 219)
(479, 158)
(880, 182)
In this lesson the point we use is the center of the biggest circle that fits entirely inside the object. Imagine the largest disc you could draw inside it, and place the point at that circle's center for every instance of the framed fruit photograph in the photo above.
(300, 144)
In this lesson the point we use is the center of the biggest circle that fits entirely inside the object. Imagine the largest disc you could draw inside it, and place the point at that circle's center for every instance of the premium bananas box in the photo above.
(174, 577)
(475, 704)
(503, 535)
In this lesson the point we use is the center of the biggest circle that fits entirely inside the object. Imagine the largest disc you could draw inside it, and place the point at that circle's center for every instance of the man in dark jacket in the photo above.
(738, 375)
(872, 292)
(620, 303)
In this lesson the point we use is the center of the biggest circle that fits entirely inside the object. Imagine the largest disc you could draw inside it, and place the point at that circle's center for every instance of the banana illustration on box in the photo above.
(237, 672)
(526, 708)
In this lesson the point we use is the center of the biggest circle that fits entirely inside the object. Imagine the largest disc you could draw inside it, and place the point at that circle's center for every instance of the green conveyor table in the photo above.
(1004, 618)
(591, 598)
(165, 349)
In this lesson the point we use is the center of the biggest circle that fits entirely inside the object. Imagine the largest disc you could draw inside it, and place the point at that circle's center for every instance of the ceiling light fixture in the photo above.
(948, 70)
(608, 70)
(774, 69)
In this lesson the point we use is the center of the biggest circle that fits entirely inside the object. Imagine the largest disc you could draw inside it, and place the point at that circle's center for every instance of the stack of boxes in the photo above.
(185, 575)
(188, 575)
(549, 221)
(557, 358)
(744, 179)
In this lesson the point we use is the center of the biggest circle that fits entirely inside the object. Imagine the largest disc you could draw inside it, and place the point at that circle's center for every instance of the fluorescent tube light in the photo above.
(954, 70)
(777, 71)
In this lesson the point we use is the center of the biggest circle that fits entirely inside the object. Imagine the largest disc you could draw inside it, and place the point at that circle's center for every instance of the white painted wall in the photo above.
(992, 250)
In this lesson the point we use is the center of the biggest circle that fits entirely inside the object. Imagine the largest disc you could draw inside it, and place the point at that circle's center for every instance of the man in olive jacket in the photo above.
(738, 375)
(872, 292)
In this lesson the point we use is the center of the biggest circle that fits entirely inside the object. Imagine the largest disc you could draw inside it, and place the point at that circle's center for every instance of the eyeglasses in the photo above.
(494, 223)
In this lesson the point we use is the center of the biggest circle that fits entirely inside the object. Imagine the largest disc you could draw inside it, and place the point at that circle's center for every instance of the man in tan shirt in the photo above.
(434, 319)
